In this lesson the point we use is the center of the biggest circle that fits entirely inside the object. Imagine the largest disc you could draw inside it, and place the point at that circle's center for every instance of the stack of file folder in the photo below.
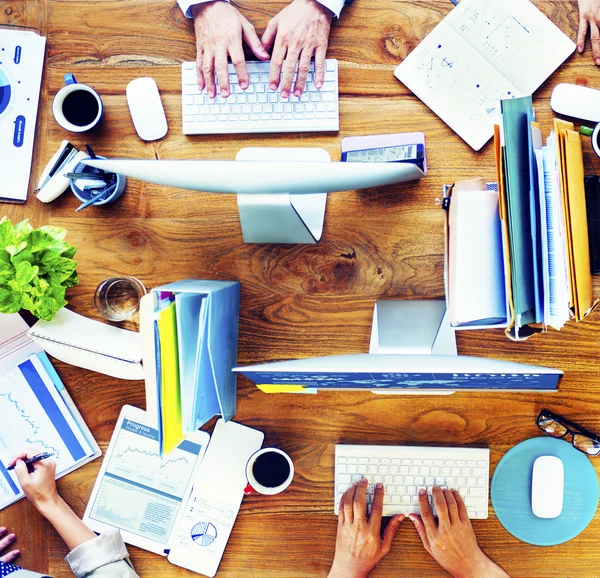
(517, 251)
(189, 336)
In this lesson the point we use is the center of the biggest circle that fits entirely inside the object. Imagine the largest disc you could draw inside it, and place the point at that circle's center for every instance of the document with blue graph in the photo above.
(138, 491)
(37, 413)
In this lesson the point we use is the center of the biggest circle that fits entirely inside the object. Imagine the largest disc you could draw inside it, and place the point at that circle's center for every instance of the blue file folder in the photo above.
(207, 331)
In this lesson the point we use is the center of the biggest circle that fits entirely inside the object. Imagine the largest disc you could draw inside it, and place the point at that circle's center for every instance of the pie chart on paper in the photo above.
(204, 533)
(5, 91)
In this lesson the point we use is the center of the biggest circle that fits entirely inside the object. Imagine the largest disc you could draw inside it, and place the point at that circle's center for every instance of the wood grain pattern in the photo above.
(297, 301)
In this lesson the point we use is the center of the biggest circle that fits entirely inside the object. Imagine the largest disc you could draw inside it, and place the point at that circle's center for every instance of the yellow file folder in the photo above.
(572, 182)
(170, 386)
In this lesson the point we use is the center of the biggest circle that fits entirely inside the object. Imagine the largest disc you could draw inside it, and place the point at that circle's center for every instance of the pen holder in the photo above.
(86, 195)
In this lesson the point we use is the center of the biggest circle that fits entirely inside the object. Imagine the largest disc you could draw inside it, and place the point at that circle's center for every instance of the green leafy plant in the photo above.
(36, 269)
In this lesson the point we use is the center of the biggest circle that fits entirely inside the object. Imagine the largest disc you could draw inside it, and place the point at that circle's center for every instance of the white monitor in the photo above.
(413, 350)
(282, 192)
(386, 372)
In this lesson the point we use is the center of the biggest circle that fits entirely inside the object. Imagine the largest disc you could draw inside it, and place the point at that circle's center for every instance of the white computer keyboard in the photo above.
(259, 109)
(403, 470)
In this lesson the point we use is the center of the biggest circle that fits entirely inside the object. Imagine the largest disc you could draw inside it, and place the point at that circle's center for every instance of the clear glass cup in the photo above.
(118, 298)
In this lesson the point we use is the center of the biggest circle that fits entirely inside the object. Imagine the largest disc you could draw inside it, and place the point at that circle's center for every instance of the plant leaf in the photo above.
(25, 272)
(9, 301)
(55, 232)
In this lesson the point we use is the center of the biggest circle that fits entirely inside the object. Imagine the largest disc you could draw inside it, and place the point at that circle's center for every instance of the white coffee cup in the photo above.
(59, 101)
(255, 486)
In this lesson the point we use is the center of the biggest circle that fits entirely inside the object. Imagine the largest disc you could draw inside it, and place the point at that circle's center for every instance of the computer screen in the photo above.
(391, 371)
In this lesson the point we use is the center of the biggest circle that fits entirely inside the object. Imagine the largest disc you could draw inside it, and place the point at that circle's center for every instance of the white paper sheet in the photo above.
(21, 64)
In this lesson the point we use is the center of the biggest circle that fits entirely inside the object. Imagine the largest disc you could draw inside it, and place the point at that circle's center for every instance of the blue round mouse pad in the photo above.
(511, 492)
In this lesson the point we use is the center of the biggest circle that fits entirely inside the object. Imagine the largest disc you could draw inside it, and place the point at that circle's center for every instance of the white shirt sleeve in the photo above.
(102, 557)
(186, 5)
(334, 5)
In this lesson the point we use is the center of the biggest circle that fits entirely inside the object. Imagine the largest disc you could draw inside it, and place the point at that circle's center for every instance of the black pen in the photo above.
(34, 459)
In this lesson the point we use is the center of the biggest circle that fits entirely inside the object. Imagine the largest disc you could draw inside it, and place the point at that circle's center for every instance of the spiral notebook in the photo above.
(86, 343)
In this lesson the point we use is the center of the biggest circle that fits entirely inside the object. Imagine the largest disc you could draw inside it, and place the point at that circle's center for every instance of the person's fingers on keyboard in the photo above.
(377, 508)
(289, 69)
(426, 513)
(360, 502)
(320, 66)
(277, 59)
(462, 509)
(452, 506)
(208, 72)
(222, 71)
(199, 73)
(239, 63)
(441, 506)
(303, 69)
(349, 504)
(253, 41)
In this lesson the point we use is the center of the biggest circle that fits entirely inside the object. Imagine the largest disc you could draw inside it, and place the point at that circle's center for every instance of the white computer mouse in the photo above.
(547, 487)
(576, 101)
(146, 109)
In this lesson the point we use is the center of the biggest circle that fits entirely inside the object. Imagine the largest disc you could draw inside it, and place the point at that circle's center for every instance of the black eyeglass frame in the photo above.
(566, 423)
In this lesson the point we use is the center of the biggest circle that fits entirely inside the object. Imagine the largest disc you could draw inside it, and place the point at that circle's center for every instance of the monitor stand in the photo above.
(282, 218)
(412, 327)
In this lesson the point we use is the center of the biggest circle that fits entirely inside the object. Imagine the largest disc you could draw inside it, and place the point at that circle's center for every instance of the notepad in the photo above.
(482, 52)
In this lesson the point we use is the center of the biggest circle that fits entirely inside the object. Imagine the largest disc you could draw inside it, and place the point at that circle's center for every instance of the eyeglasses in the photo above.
(558, 427)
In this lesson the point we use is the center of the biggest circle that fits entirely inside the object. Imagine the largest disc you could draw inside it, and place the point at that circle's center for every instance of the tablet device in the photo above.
(137, 491)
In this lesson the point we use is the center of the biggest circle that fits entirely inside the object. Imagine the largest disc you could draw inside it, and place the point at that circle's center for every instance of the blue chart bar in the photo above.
(9, 480)
(52, 410)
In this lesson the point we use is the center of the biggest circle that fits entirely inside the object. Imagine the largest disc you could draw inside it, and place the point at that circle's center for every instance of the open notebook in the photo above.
(482, 52)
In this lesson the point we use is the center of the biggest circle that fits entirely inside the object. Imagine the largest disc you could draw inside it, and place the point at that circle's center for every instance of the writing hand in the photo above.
(451, 540)
(39, 485)
(300, 30)
(219, 31)
(589, 17)
(359, 545)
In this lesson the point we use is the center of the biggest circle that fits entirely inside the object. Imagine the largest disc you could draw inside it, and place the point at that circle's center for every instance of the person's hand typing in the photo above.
(589, 17)
(359, 545)
(219, 31)
(6, 539)
(451, 540)
(37, 480)
(300, 30)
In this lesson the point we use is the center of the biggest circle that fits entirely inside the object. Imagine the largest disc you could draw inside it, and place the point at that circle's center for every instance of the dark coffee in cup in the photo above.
(80, 107)
(271, 469)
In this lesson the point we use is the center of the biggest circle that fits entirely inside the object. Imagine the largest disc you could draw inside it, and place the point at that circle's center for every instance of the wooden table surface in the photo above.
(297, 301)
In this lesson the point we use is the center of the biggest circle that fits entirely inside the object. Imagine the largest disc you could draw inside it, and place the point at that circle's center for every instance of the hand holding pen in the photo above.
(37, 479)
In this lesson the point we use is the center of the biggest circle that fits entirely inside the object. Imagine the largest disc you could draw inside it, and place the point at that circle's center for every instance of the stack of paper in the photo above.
(542, 205)
(189, 334)
(476, 283)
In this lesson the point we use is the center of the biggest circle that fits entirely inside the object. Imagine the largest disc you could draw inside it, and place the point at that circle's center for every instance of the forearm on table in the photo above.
(68, 525)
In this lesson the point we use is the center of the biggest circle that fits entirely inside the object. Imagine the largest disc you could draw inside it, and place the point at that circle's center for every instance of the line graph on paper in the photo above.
(25, 423)
(12, 412)
(136, 458)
